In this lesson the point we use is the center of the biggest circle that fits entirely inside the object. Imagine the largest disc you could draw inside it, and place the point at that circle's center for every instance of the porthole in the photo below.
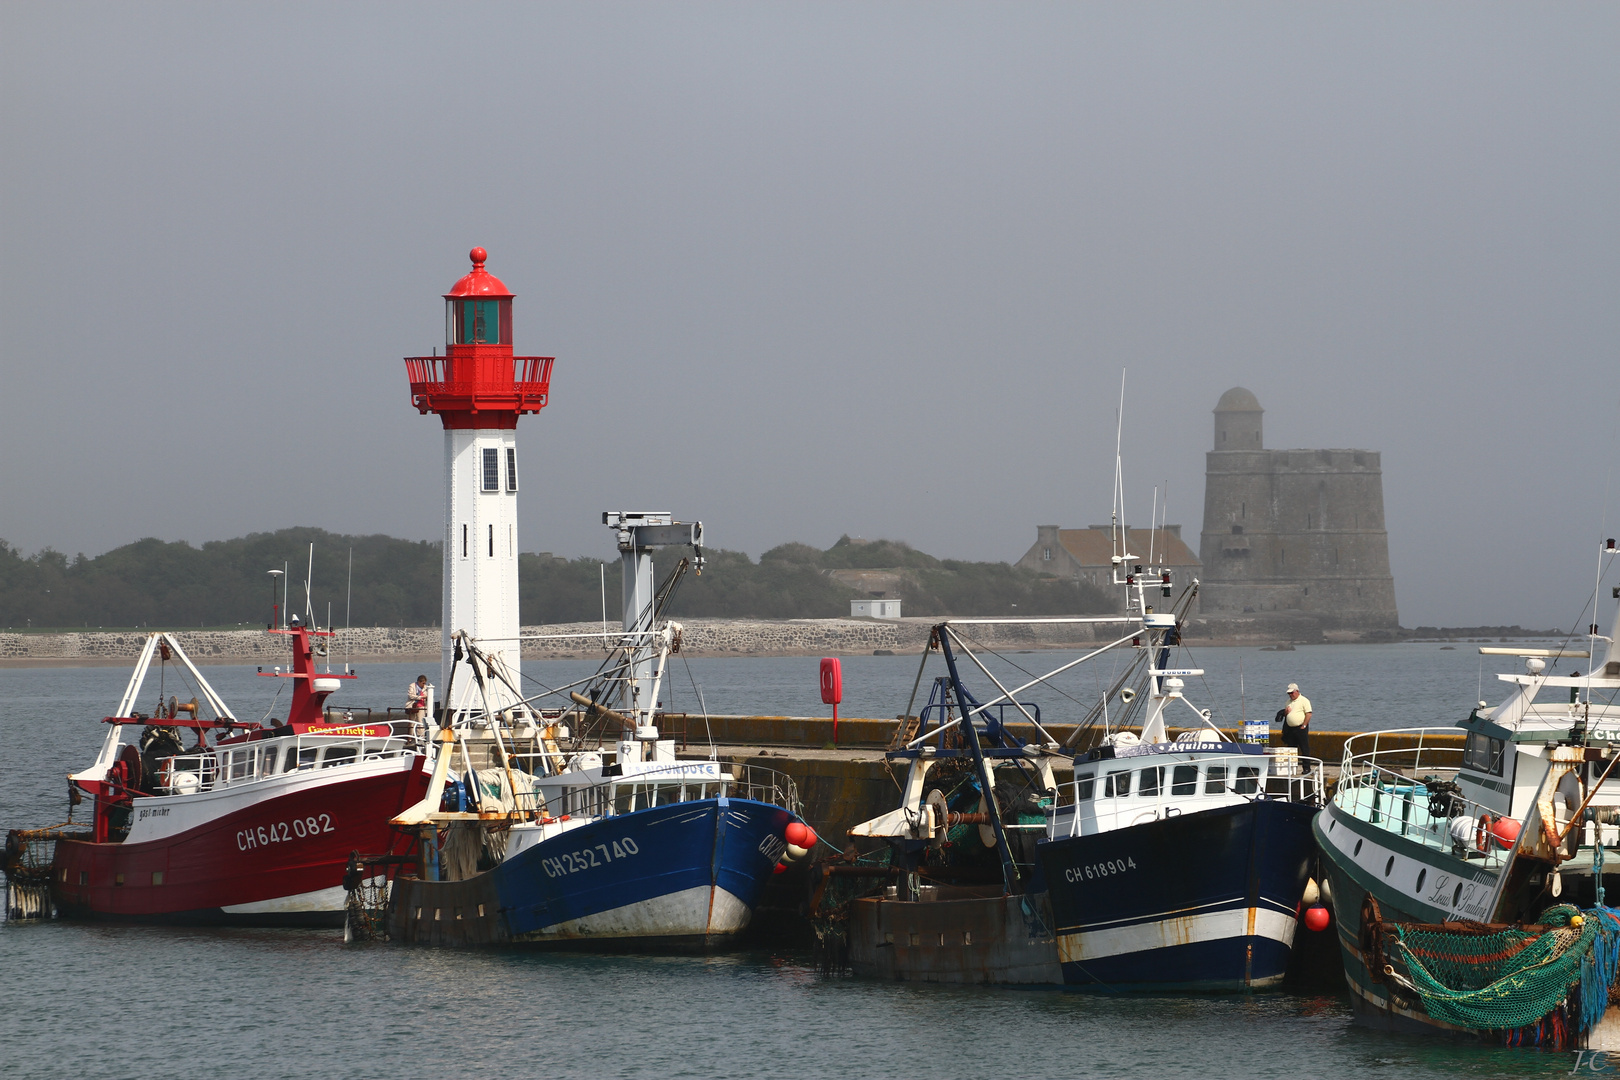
(1421, 875)
(1357, 851)
(1389, 866)
(1456, 894)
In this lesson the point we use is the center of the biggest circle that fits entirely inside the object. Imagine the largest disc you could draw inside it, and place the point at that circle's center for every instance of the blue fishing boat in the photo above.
(582, 827)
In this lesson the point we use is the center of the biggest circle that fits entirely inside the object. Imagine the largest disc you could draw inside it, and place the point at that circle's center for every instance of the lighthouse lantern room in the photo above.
(478, 389)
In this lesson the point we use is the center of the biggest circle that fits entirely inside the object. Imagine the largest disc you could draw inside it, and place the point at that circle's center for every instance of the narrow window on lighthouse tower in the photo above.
(464, 541)
(492, 469)
(511, 469)
(492, 541)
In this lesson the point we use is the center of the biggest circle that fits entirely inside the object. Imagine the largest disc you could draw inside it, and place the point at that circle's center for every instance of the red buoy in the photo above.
(1316, 917)
(800, 835)
(781, 868)
(1506, 830)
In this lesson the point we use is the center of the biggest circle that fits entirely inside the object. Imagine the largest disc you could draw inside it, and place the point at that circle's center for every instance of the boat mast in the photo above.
(638, 534)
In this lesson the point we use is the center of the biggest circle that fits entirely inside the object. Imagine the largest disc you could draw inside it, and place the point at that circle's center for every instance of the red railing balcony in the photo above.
(479, 384)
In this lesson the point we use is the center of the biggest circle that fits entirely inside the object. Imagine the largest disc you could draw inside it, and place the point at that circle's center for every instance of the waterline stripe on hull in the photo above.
(705, 911)
(1171, 931)
(329, 901)
(1212, 907)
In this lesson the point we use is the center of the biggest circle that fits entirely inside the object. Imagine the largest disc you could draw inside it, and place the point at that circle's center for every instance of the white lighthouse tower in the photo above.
(479, 388)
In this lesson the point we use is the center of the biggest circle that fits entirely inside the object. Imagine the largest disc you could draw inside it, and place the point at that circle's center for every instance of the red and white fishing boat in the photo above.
(253, 828)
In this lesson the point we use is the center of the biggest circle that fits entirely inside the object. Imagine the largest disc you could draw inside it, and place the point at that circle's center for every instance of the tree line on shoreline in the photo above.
(398, 583)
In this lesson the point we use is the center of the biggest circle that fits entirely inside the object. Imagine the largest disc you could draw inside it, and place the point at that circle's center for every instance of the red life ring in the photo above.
(1482, 832)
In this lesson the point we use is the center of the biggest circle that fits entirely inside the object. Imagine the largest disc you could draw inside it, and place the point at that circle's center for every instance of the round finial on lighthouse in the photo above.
(478, 255)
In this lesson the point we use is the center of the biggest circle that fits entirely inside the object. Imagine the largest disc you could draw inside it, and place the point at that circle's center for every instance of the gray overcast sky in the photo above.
(814, 269)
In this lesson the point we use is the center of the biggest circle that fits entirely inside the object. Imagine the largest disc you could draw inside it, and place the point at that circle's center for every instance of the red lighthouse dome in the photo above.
(480, 282)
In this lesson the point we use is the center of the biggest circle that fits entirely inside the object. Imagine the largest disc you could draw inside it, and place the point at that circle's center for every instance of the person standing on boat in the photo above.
(416, 699)
(1296, 721)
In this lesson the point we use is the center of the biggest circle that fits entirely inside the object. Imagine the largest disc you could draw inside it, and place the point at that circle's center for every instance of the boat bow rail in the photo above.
(679, 782)
(1406, 785)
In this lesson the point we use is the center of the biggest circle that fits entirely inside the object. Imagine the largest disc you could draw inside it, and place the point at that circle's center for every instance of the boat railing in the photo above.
(1414, 748)
(1392, 781)
(225, 766)
(1184, 786)
(643, 791)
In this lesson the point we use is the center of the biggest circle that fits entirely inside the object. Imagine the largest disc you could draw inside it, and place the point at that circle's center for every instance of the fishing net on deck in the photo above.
(1554, 982)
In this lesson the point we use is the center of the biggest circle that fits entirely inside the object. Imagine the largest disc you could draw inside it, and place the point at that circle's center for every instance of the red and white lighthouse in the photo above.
(479, 388)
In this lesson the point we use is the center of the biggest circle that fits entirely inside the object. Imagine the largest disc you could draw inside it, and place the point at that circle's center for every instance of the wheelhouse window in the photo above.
(1083, 787)
(511, 469)
(1215, 780)
(243, 763)
(1484, 754)
(492, 469)
(1184, 781)
(1150, 782)
(1118, 785)
(477, 322)
(1248, 780)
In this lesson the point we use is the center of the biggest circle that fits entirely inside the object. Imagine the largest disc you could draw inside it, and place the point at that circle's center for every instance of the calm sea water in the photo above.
(117, 1001)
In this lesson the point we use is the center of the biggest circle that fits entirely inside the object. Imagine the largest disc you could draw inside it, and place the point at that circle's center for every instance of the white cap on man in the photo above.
(1293, 688)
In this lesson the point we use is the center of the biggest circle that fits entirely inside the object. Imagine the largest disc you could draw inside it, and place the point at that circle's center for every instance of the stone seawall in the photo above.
(700, 637)
(712, 637)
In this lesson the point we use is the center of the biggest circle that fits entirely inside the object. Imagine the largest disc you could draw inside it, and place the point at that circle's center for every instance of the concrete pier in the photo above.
(851, 782)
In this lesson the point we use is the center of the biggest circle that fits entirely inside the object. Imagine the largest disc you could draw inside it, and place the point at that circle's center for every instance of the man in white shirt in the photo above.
(1296, 720)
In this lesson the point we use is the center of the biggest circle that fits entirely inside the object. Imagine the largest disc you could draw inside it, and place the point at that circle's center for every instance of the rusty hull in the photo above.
(956, 938)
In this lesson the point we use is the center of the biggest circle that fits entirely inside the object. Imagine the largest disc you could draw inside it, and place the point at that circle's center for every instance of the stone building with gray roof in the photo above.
(1086, 555)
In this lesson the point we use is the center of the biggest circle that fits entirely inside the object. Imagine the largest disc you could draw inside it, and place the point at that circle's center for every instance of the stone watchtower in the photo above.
(1297, 531)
